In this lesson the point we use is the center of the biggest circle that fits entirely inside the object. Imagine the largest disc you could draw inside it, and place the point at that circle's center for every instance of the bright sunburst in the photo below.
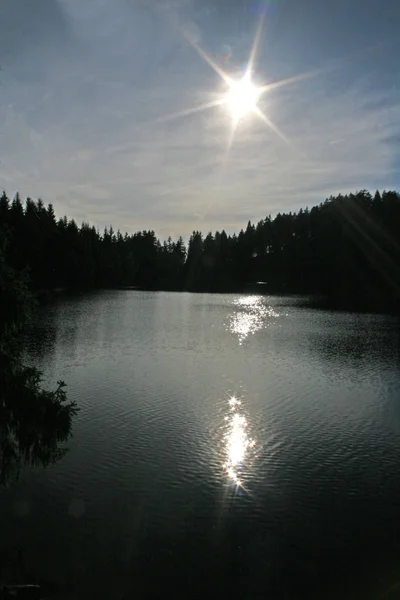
(242, 97)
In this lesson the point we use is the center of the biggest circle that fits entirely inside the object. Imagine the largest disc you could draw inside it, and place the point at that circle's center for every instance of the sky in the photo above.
(97, 102)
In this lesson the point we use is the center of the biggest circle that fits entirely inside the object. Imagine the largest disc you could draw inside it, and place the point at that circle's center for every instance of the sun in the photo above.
(242, 97)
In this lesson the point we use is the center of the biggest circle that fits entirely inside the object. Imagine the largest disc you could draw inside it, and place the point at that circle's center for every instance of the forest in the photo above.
(346, 250)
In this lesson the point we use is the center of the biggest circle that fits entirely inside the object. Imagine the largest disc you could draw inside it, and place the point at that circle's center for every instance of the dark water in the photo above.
(226, 445)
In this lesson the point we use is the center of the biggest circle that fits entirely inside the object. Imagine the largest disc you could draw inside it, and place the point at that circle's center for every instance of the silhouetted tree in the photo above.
(33, 421)
(346, 248)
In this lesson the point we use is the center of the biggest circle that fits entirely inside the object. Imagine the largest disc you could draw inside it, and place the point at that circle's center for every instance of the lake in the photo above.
(231, 445)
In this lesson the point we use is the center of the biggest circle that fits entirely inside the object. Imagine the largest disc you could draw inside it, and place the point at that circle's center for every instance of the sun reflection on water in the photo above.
(237, 443)
(251, 316)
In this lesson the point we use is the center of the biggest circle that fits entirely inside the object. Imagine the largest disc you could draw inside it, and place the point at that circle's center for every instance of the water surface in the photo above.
(232, 445)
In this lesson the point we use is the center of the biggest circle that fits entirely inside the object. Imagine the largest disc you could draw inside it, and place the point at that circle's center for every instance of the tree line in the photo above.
(346, 249)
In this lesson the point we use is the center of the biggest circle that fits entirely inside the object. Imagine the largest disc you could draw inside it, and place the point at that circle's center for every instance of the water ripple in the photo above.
(299, 469)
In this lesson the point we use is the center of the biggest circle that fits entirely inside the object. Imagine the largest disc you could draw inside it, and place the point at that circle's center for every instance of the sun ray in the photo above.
(270, 124)
(289, 80)
(256, 43)
(230, 139)
(195, 109)
(209, 60)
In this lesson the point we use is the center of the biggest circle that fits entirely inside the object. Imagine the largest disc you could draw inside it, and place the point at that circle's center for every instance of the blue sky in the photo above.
(90, 90)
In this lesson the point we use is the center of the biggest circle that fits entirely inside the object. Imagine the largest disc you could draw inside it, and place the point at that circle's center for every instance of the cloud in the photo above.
(164, 174)
(92, 138)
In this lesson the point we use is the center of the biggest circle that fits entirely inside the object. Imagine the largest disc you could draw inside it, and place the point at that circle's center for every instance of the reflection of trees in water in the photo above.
(359, 339)
(55, 329)
(40, 339)
(33, 424)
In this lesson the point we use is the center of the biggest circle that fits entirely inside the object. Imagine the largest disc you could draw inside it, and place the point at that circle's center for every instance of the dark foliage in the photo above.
(347, 249)
(33, 421)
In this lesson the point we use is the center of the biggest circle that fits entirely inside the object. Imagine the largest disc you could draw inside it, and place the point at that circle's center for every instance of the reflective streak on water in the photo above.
(226, 445)
(238, 444)
(251, 315)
